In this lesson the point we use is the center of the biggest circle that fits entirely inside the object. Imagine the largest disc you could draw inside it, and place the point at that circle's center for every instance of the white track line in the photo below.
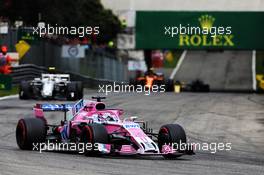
(254, 82)
(175, 70)
(9, 97)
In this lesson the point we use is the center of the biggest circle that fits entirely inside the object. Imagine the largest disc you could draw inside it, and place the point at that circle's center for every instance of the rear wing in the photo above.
(54, 107)
(69, 109)
(53, 76)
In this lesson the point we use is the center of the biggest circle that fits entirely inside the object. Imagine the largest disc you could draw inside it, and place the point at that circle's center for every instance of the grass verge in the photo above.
(13, 91)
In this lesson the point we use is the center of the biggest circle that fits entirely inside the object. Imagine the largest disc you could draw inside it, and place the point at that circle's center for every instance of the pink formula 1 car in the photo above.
(90, 122)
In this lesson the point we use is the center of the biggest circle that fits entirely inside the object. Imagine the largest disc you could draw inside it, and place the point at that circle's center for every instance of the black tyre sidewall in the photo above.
(34, 131)
(176, 135)
(169, 85)
(93, 134)
(25, 89)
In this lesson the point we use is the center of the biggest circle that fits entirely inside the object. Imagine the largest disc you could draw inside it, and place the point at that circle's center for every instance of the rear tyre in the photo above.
(142, 83)
(171, 134)
(170, 85)
(24, 90)
(29, 131)
(199, 86)
(93, 134)
(132, 81)
(206, 88)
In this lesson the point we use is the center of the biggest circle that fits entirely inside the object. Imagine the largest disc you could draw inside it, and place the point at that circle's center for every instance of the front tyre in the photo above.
(24, 90)
(171, 134)
(29, 131)
(94, 134)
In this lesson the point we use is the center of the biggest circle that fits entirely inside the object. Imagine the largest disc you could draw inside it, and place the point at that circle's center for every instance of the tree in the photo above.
(63, 13)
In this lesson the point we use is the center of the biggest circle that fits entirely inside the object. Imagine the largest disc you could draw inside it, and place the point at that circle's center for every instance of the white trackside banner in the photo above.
(73, 51)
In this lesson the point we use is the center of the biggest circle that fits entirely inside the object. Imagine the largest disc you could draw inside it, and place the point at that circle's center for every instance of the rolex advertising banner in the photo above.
(199, 30)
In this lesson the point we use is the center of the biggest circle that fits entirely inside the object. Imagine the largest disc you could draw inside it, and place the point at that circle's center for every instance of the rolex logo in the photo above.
(206, 21)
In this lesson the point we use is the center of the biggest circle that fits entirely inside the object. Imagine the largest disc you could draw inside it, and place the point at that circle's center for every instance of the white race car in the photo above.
(51, 86)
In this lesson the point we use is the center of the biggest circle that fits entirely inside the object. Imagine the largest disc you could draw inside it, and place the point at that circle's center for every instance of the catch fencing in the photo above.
(31, 71)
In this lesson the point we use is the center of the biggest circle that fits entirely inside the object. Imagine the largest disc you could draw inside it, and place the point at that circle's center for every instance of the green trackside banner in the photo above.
(199, 30)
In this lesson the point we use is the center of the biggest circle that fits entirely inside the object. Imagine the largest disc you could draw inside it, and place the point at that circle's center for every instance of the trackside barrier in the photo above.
(31, 71)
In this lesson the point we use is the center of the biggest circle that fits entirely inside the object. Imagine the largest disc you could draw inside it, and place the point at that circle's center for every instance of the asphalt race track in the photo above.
(223, 71)
(206, 117)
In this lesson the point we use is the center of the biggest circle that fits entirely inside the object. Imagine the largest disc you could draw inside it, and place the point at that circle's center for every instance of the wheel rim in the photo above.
(163, 137)
(88, 137)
